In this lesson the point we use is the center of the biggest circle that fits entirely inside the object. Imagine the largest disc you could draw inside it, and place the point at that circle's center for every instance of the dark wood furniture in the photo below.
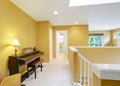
(34, 65)
(16, 61)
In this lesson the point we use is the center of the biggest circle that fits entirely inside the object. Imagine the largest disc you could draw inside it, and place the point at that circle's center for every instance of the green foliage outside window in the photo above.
(95, 40)
(91, 41)
(118, 35)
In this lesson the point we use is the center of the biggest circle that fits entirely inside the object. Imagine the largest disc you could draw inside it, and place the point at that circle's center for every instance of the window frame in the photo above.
(94, 39)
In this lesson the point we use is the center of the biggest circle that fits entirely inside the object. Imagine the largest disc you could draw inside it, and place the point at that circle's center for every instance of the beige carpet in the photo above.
(57, 73)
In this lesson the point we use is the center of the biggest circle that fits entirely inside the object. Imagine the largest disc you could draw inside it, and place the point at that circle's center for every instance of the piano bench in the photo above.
(22, 85)
(35, 64)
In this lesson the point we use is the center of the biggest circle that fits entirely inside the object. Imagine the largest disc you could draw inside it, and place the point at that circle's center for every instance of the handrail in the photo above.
(82, 57)
(87, 68)
(73, 49)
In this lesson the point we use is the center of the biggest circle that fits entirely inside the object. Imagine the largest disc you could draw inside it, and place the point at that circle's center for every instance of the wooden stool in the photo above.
(35, 64)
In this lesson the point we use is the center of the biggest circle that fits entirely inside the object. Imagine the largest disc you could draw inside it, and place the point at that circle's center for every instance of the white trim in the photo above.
(50, 44)
(94, 47)
(107, 71)
(45, 64)
(76, 84)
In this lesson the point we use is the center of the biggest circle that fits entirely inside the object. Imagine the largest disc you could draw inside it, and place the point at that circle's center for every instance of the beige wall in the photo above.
(114, 31)
(74, 63)
(109, 36)
(43, 39)
(106, 37)
(101, 55)
(96, 81)
(14, 23)
(94, 55)
(102, 82)
(77, 35)
(114, 40)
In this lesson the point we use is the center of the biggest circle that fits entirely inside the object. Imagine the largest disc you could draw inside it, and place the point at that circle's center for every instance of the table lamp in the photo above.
(15, 43)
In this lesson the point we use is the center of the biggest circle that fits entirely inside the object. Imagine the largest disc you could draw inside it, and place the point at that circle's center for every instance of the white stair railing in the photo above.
(81, 71)
(86, 75)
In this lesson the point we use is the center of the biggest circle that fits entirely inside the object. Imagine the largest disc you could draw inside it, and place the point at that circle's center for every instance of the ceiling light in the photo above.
(76, 22)
(106, 26)
(90, 2)
(55, 12)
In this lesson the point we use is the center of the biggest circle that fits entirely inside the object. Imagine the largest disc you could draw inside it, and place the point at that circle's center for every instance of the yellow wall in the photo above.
(74, 62)
(106, 36)
(77, 35)
(95, 55)
(113, 36)
(101, 55)
(103, 82)
(114, 31)
(14, 23)
(43, 38)
(96, 81)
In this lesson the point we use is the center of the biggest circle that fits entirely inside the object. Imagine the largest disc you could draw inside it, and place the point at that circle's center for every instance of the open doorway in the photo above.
(61, 43)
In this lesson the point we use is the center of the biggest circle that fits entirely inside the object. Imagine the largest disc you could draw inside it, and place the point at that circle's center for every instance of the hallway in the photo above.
(56, 73)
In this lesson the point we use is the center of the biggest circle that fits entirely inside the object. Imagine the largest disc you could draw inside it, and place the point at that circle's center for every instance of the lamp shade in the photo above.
(15, 42)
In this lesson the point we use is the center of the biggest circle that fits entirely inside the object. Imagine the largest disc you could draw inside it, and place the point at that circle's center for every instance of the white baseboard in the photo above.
(45, 63)
(76, 84)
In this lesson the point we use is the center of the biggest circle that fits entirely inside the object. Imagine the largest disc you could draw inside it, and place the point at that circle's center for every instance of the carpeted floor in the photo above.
(56, 73)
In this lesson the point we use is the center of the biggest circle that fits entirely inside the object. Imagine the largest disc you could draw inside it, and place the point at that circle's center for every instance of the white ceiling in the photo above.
(98, 17)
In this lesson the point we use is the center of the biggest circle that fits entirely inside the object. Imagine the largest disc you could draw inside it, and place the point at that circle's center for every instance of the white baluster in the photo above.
(88, 77)
(91, 75)
(84, 73)
(81, 71)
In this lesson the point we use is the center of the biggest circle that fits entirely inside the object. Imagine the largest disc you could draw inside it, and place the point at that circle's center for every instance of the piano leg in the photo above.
(35, 64)
(28, 72)
(35, 70)
(22, 85)
(41, 66)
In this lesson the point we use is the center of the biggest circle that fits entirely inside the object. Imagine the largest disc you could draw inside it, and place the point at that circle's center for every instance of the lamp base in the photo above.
(15, 51)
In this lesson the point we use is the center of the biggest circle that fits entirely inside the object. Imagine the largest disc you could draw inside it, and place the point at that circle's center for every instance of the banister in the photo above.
(111, 72)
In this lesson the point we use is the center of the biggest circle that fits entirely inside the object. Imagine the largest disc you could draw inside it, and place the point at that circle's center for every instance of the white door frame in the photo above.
(51, 44)
(66, 38)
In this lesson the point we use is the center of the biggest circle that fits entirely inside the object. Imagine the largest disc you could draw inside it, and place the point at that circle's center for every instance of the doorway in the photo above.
(61, 43)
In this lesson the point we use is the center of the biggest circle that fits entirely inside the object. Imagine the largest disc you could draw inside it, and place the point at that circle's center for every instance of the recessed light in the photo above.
(55, 12)
(106, 26)
(76, 22)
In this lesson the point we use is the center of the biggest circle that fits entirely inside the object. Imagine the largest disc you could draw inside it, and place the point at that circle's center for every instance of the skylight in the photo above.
(90, 2)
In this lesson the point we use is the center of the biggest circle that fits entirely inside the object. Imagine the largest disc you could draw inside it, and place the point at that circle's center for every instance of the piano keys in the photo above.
(16, 62)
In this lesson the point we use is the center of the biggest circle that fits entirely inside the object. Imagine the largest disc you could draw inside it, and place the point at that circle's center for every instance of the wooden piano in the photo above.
(17, 61)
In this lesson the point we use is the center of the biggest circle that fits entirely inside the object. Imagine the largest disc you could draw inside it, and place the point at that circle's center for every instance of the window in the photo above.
(95, 40)
(117, 35)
